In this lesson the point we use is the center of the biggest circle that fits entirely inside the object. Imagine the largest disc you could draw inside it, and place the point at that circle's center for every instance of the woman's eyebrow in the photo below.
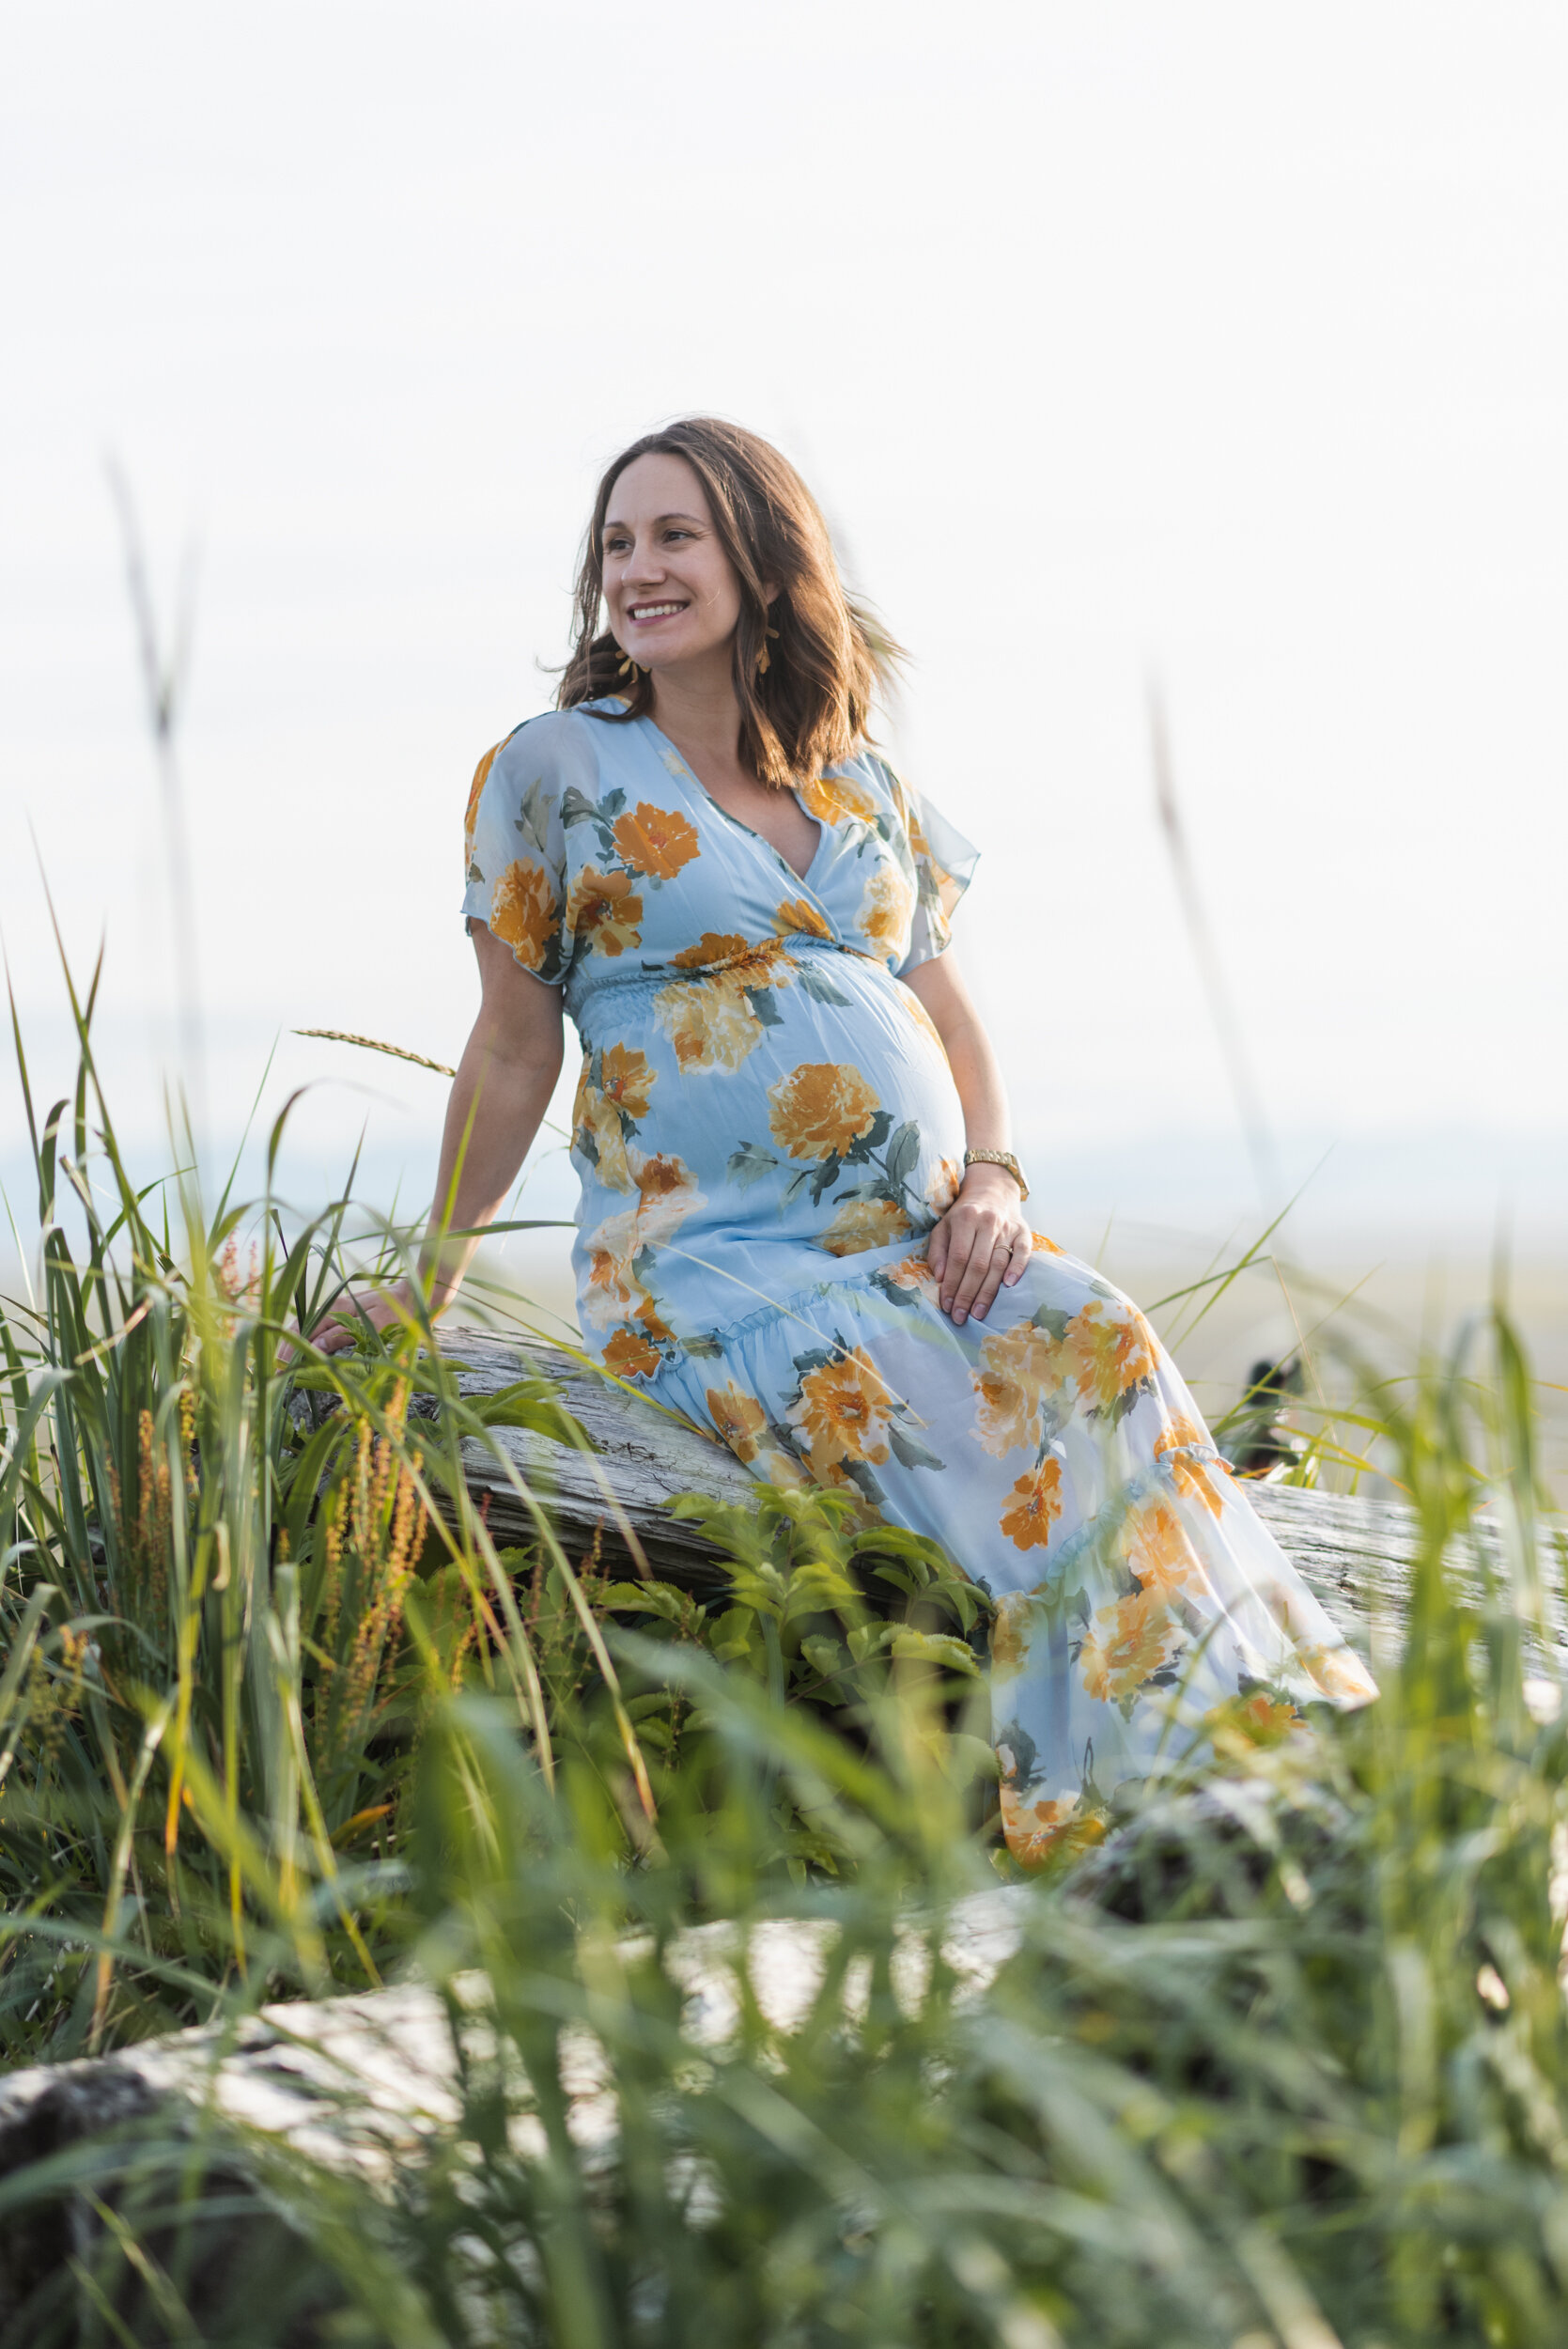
(657, 519)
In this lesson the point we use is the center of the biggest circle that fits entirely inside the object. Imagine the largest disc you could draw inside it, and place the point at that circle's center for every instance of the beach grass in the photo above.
(1283, 2060)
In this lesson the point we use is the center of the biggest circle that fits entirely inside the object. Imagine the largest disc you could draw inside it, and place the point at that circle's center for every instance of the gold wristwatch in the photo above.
(999, 1157)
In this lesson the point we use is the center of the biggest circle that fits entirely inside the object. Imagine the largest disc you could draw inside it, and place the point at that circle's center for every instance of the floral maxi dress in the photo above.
(766, 1130)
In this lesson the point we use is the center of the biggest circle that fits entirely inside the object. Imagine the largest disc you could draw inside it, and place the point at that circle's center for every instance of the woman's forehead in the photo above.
(656, 486)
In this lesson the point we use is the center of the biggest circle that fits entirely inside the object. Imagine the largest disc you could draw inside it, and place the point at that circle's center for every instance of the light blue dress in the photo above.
(766, 1130)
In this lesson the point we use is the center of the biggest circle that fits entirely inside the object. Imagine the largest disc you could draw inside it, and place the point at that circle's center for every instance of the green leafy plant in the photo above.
(1285, 2061)
(212, 1680)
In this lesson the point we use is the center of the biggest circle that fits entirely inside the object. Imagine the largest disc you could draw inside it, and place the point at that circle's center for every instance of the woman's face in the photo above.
(670, 588)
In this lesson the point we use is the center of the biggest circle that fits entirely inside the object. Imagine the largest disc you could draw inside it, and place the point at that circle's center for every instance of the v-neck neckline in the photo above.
(689, 774)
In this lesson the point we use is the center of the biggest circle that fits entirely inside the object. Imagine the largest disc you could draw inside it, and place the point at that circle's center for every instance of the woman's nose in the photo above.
(644, 565)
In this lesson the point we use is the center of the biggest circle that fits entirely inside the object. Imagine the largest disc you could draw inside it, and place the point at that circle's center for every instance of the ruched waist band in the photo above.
(751, 968)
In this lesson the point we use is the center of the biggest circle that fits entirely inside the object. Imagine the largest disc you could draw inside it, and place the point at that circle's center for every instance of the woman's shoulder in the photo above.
(555, 733)
(875, 773)
(908, 818)
(558, 750)
(868, 787)
(911, 808)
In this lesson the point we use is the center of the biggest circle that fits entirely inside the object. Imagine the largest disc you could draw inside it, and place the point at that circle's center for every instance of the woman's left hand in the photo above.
(981, 1245)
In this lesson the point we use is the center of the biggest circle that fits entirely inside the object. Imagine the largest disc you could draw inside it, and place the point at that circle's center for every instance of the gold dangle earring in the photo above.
(763, 661)
(629, 668)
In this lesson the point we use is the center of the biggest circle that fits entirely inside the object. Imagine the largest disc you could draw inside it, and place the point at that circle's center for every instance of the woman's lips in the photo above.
(642, 614)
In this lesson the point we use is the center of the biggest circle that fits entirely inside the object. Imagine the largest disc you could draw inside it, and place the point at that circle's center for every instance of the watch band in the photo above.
(1000, 1158)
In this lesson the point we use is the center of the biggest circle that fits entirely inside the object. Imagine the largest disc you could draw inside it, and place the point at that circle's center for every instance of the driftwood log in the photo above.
(358, 2085)
(1355, 1554)
(641, 1457)
(360, 2081)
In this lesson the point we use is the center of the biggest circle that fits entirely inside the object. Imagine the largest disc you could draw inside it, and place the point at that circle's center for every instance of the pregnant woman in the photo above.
(802, 1224)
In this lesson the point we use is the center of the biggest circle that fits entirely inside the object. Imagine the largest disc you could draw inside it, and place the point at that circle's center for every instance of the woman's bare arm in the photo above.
(983, 1240)
(500, 1092)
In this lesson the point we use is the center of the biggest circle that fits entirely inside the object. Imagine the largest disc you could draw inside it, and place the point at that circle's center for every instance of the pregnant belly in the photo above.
(721, 1140)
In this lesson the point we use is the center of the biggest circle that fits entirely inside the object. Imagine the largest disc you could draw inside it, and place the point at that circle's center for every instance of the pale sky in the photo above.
(1226, 342)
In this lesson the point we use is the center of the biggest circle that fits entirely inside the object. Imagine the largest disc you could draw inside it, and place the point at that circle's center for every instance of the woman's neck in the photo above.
(695, 704)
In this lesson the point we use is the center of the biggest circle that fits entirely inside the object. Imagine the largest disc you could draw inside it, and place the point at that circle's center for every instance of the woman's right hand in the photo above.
(336, 1331)
(379, 1307)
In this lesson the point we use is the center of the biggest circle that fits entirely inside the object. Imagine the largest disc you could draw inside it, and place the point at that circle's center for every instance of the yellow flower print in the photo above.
(831, 798)
(1111, 1348)
(799, 914)
(944, 1186)
(784, 1469)
(596, 1121)
(1039, 1831)
(922, 1019)
(667, 1194)
(1033, 1506)
(523, 912)
(885, 909)
(863, 1223)
(737, 961)
(914, 1273)
(627, 1080)
(739, 1419)
(1010, 1629)
(605, 910)
(1340, 1673)
(663, 1178)
(1200, 1479)
(629, 1354)
(611, 1283)
(476, 792)
(844, 1412)
(1038, 1241)
(1155, 1544)
(708, 1026)
(655, 841)
(820, 1108)
(1018, 1368)
(1244, 1722)
(710, 1020)
(1126, 1644)
(741, 1423)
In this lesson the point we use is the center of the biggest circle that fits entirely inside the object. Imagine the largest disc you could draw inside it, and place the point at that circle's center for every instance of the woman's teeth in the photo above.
(654, 610)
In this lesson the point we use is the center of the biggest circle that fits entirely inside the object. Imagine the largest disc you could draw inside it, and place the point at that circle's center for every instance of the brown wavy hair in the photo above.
(827, 656)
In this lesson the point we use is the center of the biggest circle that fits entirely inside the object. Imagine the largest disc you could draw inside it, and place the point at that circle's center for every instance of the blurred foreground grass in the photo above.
(1283, 2062)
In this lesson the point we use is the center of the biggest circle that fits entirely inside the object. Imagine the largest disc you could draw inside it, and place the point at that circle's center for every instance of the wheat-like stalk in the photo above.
(371, 1044)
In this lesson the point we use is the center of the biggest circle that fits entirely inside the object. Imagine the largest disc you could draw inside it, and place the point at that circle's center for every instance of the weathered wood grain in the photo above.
(641, 1459)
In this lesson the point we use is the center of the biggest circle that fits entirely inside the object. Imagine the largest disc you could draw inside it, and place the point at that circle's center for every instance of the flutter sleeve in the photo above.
(515, 849)
(943, 862)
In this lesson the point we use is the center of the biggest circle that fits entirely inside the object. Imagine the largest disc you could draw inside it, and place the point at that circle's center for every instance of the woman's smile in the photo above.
(671, 587)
